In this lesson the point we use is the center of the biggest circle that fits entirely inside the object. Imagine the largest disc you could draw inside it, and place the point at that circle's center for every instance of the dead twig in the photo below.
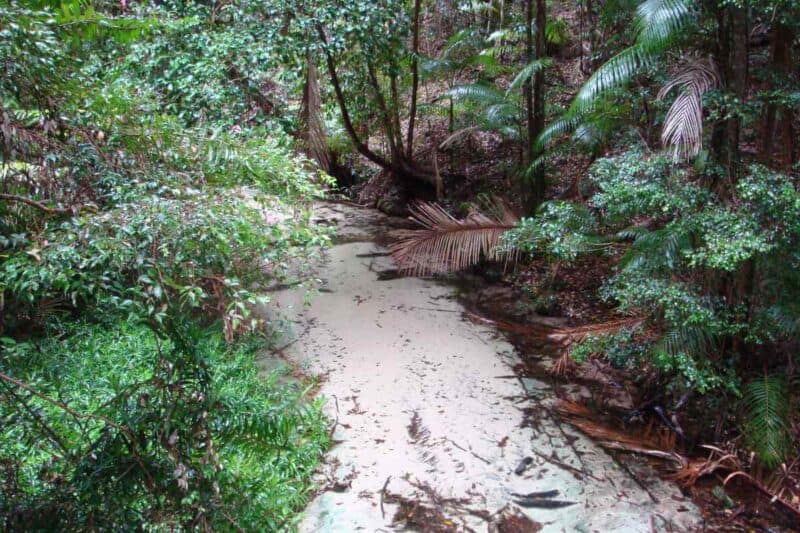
(383, 495)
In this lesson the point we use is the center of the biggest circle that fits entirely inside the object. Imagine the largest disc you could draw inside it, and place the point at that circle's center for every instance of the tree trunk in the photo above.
(781, 71)
(538, 98)
(398, 165)
(534, 102)
(733, 59)
(414, 81)
(528, 195)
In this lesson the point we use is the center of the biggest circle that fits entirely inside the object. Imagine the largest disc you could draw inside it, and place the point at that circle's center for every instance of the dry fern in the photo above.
(446, 244)
(683, 124)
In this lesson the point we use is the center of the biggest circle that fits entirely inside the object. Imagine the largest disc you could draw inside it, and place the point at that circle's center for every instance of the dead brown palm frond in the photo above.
(683, 124)
(446, 244)
(694, 468)
(564, 338)
(312, 120)
(611, 438)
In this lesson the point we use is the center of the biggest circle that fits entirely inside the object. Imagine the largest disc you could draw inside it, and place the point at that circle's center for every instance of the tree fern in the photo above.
(765, 407)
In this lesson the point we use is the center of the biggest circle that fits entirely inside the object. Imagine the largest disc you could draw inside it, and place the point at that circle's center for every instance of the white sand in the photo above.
(392, 351)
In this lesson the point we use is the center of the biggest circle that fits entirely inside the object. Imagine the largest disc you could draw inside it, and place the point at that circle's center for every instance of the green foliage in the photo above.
(636, 184)
(136, 235)
(487, 108)
(670, 234)
(560, 230)
(766, 418)
(199, 251)
(622, 348)
(125, 436)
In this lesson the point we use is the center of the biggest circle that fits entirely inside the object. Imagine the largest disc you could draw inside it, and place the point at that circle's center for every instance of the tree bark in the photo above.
(529, 111)
(399, 165)
(538, 98)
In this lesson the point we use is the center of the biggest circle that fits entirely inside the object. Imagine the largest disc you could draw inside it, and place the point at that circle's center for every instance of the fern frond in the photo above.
(447, 244)
(663, 247)
(765, 406)
(694, 341)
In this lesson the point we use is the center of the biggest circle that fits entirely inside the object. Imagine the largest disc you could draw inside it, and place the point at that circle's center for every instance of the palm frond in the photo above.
(662, 247)
(683, 124)
(446, 244)
(555, 129)
(477, 92)
(455, 136)
(659, 20)
(765, 406)
(613, 73)
(527, 71)
(658, 25)
(690, 340)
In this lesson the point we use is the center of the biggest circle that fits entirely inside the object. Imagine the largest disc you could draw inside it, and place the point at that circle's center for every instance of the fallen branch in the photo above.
(383, 495)
(774, 497)
(40, 206)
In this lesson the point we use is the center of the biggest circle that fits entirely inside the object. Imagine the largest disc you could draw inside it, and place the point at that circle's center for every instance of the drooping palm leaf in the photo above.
(694, 341)
(477, 92)
(527, 71)
(658, 24)
(765, 406)
(659, 20)
(683, 124)
(613, 73)
(446, 244)
(557, 128)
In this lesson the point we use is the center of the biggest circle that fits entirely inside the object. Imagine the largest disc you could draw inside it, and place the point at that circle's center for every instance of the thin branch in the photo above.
(38, 205)
(83, 416)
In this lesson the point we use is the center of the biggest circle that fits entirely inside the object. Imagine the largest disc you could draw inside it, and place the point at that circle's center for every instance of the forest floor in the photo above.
(434, 429)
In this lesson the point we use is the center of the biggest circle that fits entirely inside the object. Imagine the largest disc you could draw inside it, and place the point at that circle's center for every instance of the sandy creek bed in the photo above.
(428, 401)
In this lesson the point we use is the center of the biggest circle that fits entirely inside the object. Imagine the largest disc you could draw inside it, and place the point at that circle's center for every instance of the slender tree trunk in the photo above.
(414, 81)
(388, 125)
(534, 101)
(781, 70)
(395, 110)
(529, 197)
(538, 98)
(360, 146)
(733, 58)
